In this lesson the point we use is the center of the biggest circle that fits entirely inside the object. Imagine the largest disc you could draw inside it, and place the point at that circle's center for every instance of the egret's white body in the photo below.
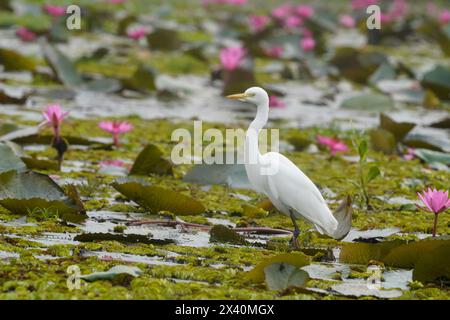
(287, 187)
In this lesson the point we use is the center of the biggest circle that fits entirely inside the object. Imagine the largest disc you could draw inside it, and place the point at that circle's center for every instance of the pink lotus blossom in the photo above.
(258, 23)
(54, 117)
(409, 154)
(292, 22)
(282, 12)
(304, 11)
(115, 128)
(334, 145)
(54, 10)
(274, 102)
(274, 52)
(231, 57)
(362, 4)
(444, 17)
(436, 201)
(112, 163)
(25, 35)
(347, 21)
(308, 44)
(137, 33)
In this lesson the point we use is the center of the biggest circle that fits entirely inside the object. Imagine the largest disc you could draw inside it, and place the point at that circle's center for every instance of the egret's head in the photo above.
(255, 95)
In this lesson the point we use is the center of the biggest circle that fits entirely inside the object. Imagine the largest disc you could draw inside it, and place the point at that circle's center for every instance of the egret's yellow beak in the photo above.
(238, 96)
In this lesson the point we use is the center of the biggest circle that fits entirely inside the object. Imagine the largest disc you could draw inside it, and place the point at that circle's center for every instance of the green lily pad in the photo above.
(66, 72)
(156, 199)
(430, 156)
(371, 102)
(438, 81)
(233, 175)
(357, 64)
(398, 129)
(430, 257)
(383, 141)
(385, 71)
(164, 39)
(143, 79)
(40, 164)
(122, 238)
(150, 161)
(8, 99)
(24, 192)
(113, 273)
(223, 234)
(9, 159)
(280, 276)
(13, 61)
(295, 259)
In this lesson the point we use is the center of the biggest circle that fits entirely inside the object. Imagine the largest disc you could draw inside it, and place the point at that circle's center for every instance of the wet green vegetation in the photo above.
(186, 255)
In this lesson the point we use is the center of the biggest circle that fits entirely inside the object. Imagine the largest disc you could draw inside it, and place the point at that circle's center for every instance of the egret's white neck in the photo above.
(252, 153)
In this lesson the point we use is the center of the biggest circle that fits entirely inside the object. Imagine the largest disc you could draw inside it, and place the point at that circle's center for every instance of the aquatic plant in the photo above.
(333, 145)
(435, 201)
(25, 34)
(115, 128)
(231, 57)
(258, 22)
(54, 10)
(308, 44)
(347, 21)
(137, 33)
(274, 102)
(54, 117)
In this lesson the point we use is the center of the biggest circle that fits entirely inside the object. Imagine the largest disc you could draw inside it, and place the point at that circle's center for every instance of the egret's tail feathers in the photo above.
(343, 215)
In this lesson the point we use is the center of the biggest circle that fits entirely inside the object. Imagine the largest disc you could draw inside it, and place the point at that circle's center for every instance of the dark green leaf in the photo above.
(223, 234)
(280, 276)
(150, 161)
(383, 141)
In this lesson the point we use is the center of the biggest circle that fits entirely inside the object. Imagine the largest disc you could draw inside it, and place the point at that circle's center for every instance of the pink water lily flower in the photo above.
(137, 33)
(308, 44)
(347, 21)
(274, 52)
(292, 22)
(112, 163)
(25, 35)
(54, 117)
(54, 10)
(409, 154)
(115, 128)
(362, 4)
(231, 57)
(304, 11)
(258, 23)
(282, 12)
(334, 145)
(444, 17)
(274, 102)
(436, 201)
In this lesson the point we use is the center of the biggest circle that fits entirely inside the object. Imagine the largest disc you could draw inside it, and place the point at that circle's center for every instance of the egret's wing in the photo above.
(291, 187)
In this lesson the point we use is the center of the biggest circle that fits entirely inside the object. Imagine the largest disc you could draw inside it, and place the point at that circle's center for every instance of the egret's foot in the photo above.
(294, 243)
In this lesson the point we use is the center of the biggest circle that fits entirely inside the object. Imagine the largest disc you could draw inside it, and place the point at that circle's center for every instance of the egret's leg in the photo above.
(294, 240)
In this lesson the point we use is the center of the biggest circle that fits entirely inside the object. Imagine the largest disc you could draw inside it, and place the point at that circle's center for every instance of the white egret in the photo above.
(287, 187)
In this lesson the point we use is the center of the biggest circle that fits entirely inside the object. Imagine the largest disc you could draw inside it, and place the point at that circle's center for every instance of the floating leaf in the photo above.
(371, 102)
(398, 129)
(9, 159)
(362, 253)
(28, 191)
(233, 175)
(295, 259)
(143, 79)
(357, 64)
(443, 124)
(8, 99)
(150, 161)
(156, 199)
(40, 164)
(280, 276)
(430, 156)
(164, 39)
(383, 141)
(113, 273)
(223, 234)
(438, 81)
(385, 71)
(362, 290)
(13, 61)
(122, 238)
